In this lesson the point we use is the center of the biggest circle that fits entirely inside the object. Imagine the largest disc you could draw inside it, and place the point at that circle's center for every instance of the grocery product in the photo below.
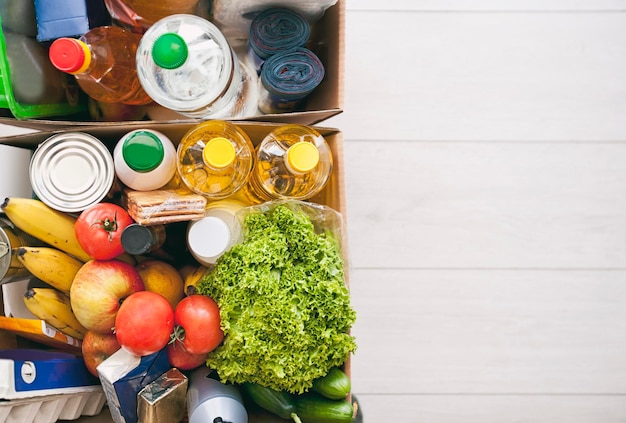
(71, 171)
(141, 14)
(212, 235)
(50, 265)
(292, 162)
(54, 307)
(103, 62)
(287, 79)
(185, 64)
(144, 159)
(274, 30)
(215, 159)
(44, 223)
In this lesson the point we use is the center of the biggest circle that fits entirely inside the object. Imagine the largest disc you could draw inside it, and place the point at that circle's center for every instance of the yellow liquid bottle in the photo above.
(215, 159)
(293, 162)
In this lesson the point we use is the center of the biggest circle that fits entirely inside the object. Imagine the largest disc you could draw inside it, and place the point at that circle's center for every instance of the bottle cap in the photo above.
(208, 238)
(137, 239)
(169, 51)
(303, 156)
(143, 151)
(70, 55)
(219, 153)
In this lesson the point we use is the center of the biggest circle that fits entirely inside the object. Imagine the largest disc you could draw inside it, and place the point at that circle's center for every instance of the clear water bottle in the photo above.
(144, 159)
(293, 162)
(210, 237)
(186, 64)
(215, 159)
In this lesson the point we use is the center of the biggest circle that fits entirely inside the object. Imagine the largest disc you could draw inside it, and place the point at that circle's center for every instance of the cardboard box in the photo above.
(333, 195)
(327, 42)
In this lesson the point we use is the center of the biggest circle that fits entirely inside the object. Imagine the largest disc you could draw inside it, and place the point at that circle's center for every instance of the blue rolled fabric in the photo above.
(288, 78)
(275, 30)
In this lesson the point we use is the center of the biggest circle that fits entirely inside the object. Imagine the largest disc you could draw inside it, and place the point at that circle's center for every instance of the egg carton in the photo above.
(50, 408)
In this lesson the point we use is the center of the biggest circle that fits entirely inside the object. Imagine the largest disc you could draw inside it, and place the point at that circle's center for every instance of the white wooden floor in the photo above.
(485, 154)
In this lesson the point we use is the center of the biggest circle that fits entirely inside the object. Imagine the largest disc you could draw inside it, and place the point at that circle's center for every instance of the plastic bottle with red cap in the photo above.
(103, 63)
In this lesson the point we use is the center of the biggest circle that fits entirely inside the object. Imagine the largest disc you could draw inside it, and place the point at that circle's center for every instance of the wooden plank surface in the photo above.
(485, 148)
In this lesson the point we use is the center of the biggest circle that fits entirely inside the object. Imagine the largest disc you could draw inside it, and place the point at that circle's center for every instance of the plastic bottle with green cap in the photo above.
(185, 64)
(144, 159)
(293, 162)
(215, 158)
(103, 63)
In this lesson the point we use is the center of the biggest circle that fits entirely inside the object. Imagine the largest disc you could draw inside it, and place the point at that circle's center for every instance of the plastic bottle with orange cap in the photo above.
(103, 62)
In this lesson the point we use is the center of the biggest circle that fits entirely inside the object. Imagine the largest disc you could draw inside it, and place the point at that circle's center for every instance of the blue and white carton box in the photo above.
(123, 375)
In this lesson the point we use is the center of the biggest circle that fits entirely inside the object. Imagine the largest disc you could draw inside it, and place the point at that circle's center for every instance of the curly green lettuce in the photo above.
(284, 304)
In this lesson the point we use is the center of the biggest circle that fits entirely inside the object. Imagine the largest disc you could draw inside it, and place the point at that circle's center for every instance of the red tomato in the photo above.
(144, 323)
(197, 319)
(99, 228)
(181, 359)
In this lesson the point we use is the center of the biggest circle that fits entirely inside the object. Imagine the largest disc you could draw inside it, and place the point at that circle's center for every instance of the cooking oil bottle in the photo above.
(293, 162)
(215, 159)
(103, 62)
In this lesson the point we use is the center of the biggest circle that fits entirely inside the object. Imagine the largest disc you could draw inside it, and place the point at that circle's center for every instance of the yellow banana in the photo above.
(192, 279)
(44, 223)
(53, 307)
(51, 265)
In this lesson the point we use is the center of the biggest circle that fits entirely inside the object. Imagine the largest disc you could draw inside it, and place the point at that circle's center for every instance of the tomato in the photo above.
(144, 323)
(181, 359)
(197, 319)
(99, 229)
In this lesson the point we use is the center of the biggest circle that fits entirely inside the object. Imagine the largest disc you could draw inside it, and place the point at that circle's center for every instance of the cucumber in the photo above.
(335, 385)
(276, 402)
(315, 408)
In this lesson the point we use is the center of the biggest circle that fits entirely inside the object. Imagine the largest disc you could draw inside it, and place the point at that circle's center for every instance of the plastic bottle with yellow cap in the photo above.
(103, 62)
(293, 162)
(215, 159)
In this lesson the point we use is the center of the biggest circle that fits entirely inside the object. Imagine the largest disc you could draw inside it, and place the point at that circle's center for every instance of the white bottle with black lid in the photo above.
(144, 159)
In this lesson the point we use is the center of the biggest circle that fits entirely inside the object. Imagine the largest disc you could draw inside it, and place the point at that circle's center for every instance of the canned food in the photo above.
(71, 171)
(11, 239)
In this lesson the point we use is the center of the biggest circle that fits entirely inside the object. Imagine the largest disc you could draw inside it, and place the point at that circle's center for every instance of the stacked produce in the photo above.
(271, 317)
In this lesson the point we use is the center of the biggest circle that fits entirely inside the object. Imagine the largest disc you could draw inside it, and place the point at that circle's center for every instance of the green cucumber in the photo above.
(277, 402)
(315, 408)
(335, 385)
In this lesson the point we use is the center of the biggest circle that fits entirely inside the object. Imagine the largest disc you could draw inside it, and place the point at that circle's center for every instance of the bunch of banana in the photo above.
(50, 265)
(44, 223)
(53, 307)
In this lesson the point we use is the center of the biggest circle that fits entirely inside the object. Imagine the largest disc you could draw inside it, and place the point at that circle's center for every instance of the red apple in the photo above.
(99, 288)
(182, 359)
(97, 347)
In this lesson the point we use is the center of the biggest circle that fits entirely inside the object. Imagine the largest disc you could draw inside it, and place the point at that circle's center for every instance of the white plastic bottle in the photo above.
(144, 159)
(186, 64)
(210, 237)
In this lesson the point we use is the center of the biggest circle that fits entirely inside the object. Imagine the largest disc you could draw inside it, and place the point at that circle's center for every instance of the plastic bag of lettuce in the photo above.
(284, 303)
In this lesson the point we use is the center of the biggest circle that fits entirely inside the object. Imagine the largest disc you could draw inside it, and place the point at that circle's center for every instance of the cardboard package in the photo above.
(332, 195)
(326, 41)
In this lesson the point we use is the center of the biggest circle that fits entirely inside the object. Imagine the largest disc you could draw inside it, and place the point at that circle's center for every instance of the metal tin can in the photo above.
(71, 171)
(11, 239)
